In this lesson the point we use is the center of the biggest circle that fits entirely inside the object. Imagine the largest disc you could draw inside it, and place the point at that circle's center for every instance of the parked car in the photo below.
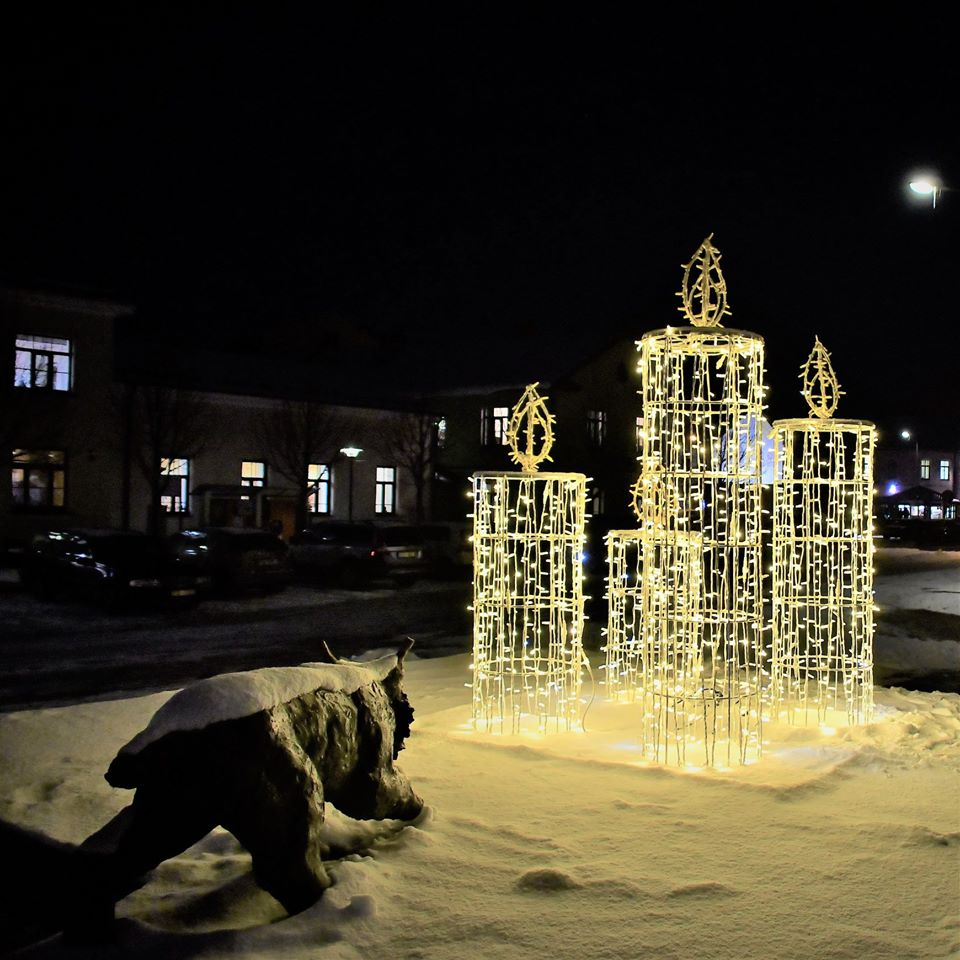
(350, 554)
(404, 553)
(448, 548)
(114, 567)
(234, 558)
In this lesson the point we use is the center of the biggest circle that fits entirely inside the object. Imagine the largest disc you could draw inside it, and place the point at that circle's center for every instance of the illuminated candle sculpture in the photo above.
(822, 666)
(528, 542)
(702, 420)
(654, 624)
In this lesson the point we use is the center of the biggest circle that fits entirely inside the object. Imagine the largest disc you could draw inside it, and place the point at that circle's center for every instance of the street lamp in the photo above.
(351, 453)
(927, 185)
(908, 436)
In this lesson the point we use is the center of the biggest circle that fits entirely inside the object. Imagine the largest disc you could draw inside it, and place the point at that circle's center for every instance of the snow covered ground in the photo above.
(918, 623)
(840, 844)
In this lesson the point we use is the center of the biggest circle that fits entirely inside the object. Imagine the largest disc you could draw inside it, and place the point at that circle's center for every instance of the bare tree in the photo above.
(156, 424)
(411, 443)
(296, 434)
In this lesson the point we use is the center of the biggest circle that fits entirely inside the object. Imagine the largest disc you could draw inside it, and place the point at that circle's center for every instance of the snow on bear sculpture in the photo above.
(259, 753)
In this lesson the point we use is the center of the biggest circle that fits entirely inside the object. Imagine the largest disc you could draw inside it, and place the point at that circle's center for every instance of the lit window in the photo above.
(42, 363)
(924, 469)
(386, 499)
(174, 485)
(38, 479)
(597, 426)
(318, 499)
(493, 425)
(441, 433)
(596, 504)
(944, 469)
(253, 473)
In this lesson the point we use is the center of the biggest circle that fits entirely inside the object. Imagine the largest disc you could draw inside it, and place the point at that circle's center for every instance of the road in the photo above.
(54, 653)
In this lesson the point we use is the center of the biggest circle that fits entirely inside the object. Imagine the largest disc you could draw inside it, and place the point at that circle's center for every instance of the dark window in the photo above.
(318, 499)
(253, 473)
(386, 494)
(493, 425)
(174, 485)
(38, 479)
(42, 363)
(597, 426)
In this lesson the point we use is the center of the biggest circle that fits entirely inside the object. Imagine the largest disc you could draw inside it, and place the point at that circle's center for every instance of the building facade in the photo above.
(90, 447)
(916, 482)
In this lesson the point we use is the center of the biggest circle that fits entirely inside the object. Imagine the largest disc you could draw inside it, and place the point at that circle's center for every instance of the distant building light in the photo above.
(892, 488)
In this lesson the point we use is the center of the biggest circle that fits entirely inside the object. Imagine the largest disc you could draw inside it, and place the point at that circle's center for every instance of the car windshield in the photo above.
(116, 548)
(251, 541)
(240, 541)
(341, 533)
(401, 536)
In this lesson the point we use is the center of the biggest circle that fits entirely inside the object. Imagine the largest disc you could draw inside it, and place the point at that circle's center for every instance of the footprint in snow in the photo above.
(547, 880)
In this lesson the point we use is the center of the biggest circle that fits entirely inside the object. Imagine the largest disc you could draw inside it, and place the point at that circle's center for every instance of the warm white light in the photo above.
(528, 542)
(822, 660)
(687, 621)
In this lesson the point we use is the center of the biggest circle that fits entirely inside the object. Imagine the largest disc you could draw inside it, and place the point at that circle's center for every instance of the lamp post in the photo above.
(908, 436)
(351, 453)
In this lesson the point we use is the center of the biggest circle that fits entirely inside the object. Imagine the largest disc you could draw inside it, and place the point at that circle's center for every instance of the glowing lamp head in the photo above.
(923, 187)
(351, 452)
(926, 185)
(906, 435)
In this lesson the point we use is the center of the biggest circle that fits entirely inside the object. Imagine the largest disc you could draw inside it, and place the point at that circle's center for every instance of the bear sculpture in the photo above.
(260, 753)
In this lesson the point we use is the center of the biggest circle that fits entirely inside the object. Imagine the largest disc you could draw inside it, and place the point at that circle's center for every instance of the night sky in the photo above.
(493, 184)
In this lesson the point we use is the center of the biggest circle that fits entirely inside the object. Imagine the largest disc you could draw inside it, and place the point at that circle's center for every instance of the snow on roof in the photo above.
(234, 695)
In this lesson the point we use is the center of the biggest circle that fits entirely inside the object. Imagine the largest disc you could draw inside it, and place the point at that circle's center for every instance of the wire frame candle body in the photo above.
(702, 421)
(654, 638)
(822, 664)
(528, 542)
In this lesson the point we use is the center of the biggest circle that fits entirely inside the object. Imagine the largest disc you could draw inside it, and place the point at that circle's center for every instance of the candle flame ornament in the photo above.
(528, 550)
(704, 290)
(531, 421)
(821, 389)
(654, 500)
(822, 664)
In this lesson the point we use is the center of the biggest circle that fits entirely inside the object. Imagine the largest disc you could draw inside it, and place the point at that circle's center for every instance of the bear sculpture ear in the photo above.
(328, 654)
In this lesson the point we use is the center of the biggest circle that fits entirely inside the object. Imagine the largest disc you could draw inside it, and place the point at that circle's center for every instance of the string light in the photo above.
(655, 621)
(528, 543)
(822, 664)
(702, 390)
